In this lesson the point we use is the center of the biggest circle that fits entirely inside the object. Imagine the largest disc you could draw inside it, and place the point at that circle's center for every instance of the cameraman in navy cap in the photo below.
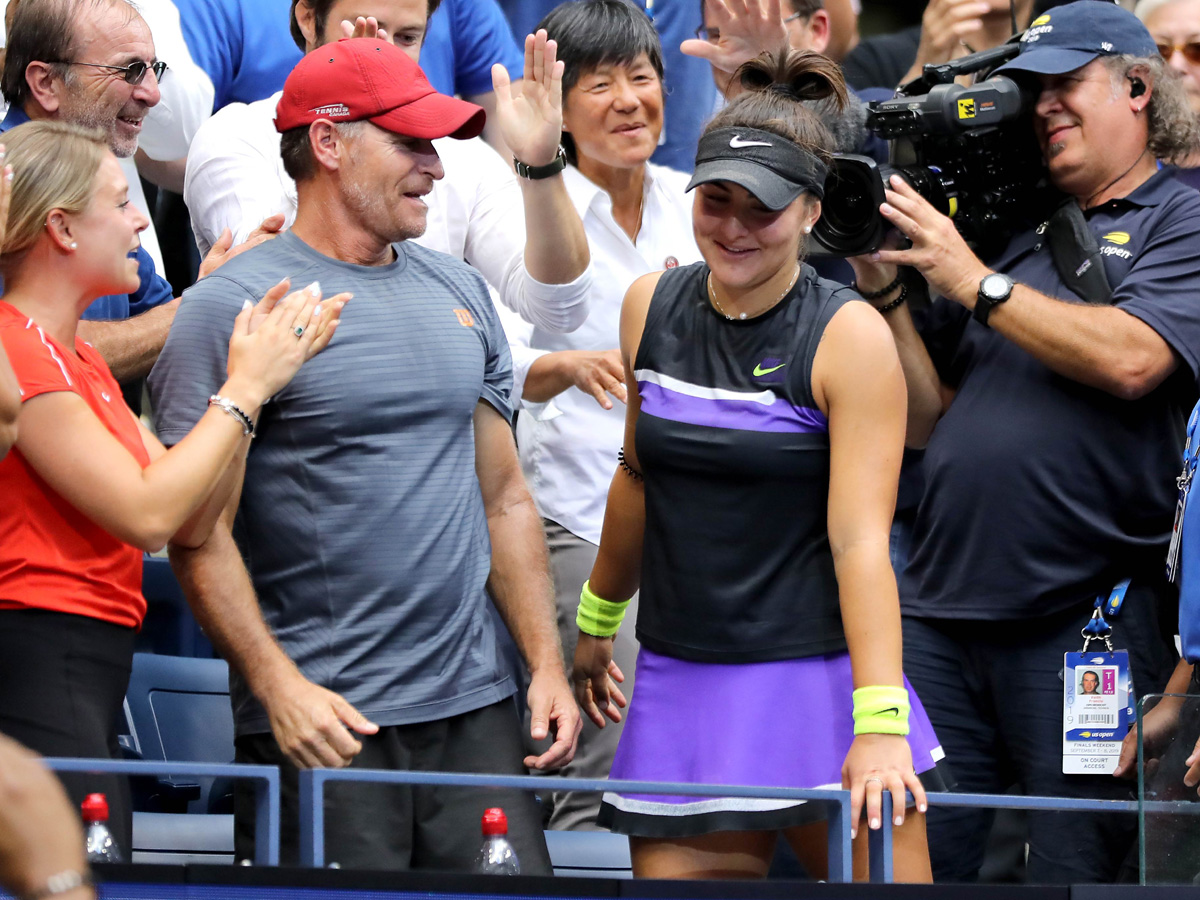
(1054, 428)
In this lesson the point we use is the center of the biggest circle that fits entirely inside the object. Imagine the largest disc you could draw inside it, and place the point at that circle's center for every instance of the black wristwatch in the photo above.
(994, 289)
(535, 173)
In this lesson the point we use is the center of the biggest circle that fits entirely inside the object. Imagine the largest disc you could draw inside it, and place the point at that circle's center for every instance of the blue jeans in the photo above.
(993, 691)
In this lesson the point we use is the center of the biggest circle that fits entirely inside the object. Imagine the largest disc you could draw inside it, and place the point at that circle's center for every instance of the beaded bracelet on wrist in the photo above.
(893, 304)
(627, 468)
(875, 295)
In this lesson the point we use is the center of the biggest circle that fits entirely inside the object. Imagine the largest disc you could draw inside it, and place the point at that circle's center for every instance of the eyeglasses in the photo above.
(713, 35)
(1189, 49)
(133, 73)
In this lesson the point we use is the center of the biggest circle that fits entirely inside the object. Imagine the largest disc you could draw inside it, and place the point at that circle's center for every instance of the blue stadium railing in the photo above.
(313, 782)
(265, 778)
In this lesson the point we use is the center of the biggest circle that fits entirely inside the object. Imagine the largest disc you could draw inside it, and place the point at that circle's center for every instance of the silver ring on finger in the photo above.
(878, 781)
(298, 331)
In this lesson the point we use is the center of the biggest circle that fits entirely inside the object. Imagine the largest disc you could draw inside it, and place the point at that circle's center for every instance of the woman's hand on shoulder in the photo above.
(274, 337)
(878, 763)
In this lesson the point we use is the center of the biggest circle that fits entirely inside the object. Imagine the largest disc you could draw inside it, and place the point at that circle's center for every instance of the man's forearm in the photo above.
(520, 582)
(927, 395)
(130, 346)
(556, 247)
(1101, 346)
(219, 590)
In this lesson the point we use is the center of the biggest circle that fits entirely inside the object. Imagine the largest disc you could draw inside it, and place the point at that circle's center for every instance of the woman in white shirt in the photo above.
(638, 220)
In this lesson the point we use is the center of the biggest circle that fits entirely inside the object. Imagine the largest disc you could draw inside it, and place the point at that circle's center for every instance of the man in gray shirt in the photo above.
(382, 500)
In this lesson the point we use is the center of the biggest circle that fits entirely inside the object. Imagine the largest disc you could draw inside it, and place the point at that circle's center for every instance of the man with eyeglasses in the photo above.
(1175, 27)
(94, 64)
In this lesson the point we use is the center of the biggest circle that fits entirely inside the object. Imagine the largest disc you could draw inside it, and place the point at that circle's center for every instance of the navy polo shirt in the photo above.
(1042, 491)
(153, 289)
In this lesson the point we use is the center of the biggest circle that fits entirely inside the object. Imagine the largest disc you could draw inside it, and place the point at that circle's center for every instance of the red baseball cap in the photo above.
(360, 78)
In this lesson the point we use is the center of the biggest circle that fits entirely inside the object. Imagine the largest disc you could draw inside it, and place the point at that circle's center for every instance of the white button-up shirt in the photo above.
(569, 445)
(235, 179)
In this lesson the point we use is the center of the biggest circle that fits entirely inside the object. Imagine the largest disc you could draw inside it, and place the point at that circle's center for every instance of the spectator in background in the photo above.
(1175, 27)
(843, 27)
(384, 501)
(949, 29)
(168, 129)
(41, 843)
(94, 64)
(638, 220)
(246, 48)
(688, 99)
(86, 487)
(536, 261)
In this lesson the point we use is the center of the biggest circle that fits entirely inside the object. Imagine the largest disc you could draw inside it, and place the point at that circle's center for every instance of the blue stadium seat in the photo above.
(170, 628)
(178, 709)
(589, 854)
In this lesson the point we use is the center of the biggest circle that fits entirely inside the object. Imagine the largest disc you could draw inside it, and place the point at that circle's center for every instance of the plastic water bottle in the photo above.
(496, 855)
(101, 848)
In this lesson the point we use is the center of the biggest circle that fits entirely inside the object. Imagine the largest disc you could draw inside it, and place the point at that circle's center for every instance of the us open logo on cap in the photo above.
(333, 110)
(1039, 26)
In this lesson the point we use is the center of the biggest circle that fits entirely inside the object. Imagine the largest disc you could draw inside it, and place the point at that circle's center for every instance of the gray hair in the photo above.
(1173, 129)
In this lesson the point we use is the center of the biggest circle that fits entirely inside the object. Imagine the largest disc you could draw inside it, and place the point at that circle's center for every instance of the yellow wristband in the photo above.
(881, 709)
(597, 616)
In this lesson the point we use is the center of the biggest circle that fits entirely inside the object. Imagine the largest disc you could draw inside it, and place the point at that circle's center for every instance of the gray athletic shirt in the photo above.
(361, 518)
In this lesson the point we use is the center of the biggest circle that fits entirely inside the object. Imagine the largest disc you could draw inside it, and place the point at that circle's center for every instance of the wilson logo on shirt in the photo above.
(465, 318)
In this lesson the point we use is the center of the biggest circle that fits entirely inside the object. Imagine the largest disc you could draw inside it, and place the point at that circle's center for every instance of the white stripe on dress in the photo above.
(766, 398)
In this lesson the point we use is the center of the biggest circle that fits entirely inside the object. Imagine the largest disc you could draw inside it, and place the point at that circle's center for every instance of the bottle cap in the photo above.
(495, 821)
(95, 808)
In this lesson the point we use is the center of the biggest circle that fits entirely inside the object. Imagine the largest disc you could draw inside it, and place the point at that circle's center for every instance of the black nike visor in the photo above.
(770, 167)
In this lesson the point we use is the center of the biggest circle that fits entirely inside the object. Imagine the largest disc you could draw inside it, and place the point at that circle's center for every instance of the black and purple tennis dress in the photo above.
(743, 676)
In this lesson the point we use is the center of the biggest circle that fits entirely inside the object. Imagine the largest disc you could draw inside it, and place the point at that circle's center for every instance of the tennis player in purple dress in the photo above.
(752, 507)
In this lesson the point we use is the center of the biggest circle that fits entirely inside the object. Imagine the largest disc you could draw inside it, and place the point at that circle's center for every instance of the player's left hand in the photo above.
(874, 764)
(552, 709)
(530, 113)
(938, 251)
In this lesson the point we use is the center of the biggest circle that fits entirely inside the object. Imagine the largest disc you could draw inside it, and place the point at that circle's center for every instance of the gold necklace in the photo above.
(712, 296)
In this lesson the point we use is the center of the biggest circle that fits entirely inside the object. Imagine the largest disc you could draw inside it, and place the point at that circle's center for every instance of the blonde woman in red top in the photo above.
(86, 487)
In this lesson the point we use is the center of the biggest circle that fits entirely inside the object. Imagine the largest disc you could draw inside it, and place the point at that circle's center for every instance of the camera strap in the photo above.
(1076, 254)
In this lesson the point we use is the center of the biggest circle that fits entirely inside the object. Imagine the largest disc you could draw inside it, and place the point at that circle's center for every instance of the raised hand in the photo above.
(530, 113)
(947, 27)
(363, 27)
(747, 28)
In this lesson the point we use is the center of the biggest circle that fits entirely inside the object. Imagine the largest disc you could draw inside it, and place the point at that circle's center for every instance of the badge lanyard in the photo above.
(1097, 694)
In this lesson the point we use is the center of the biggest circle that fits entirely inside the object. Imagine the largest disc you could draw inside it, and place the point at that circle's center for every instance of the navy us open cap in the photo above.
(1069, 37)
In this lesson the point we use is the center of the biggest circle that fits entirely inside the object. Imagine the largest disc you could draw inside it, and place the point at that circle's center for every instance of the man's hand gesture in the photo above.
(530, 114)
(747, 28)
(315, 727)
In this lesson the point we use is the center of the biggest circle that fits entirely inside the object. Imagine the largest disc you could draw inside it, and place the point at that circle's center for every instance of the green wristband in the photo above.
(881, 709)
(597, 616)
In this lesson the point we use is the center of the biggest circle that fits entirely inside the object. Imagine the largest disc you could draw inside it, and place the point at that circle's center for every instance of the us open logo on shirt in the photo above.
(1114, 241)
(333, 110)
(465, 318)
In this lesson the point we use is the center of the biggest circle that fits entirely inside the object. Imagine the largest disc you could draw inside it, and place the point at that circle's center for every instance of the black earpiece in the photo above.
(1137, 87)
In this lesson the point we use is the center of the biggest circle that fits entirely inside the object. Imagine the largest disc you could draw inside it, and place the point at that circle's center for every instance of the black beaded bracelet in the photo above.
(875, 295)
(627, 468)
(888, 307)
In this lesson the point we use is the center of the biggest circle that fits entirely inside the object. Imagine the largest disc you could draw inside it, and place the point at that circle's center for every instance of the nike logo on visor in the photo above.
(736, 142)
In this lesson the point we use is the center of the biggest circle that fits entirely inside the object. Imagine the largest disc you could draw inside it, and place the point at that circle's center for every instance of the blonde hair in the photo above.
(54, 167)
